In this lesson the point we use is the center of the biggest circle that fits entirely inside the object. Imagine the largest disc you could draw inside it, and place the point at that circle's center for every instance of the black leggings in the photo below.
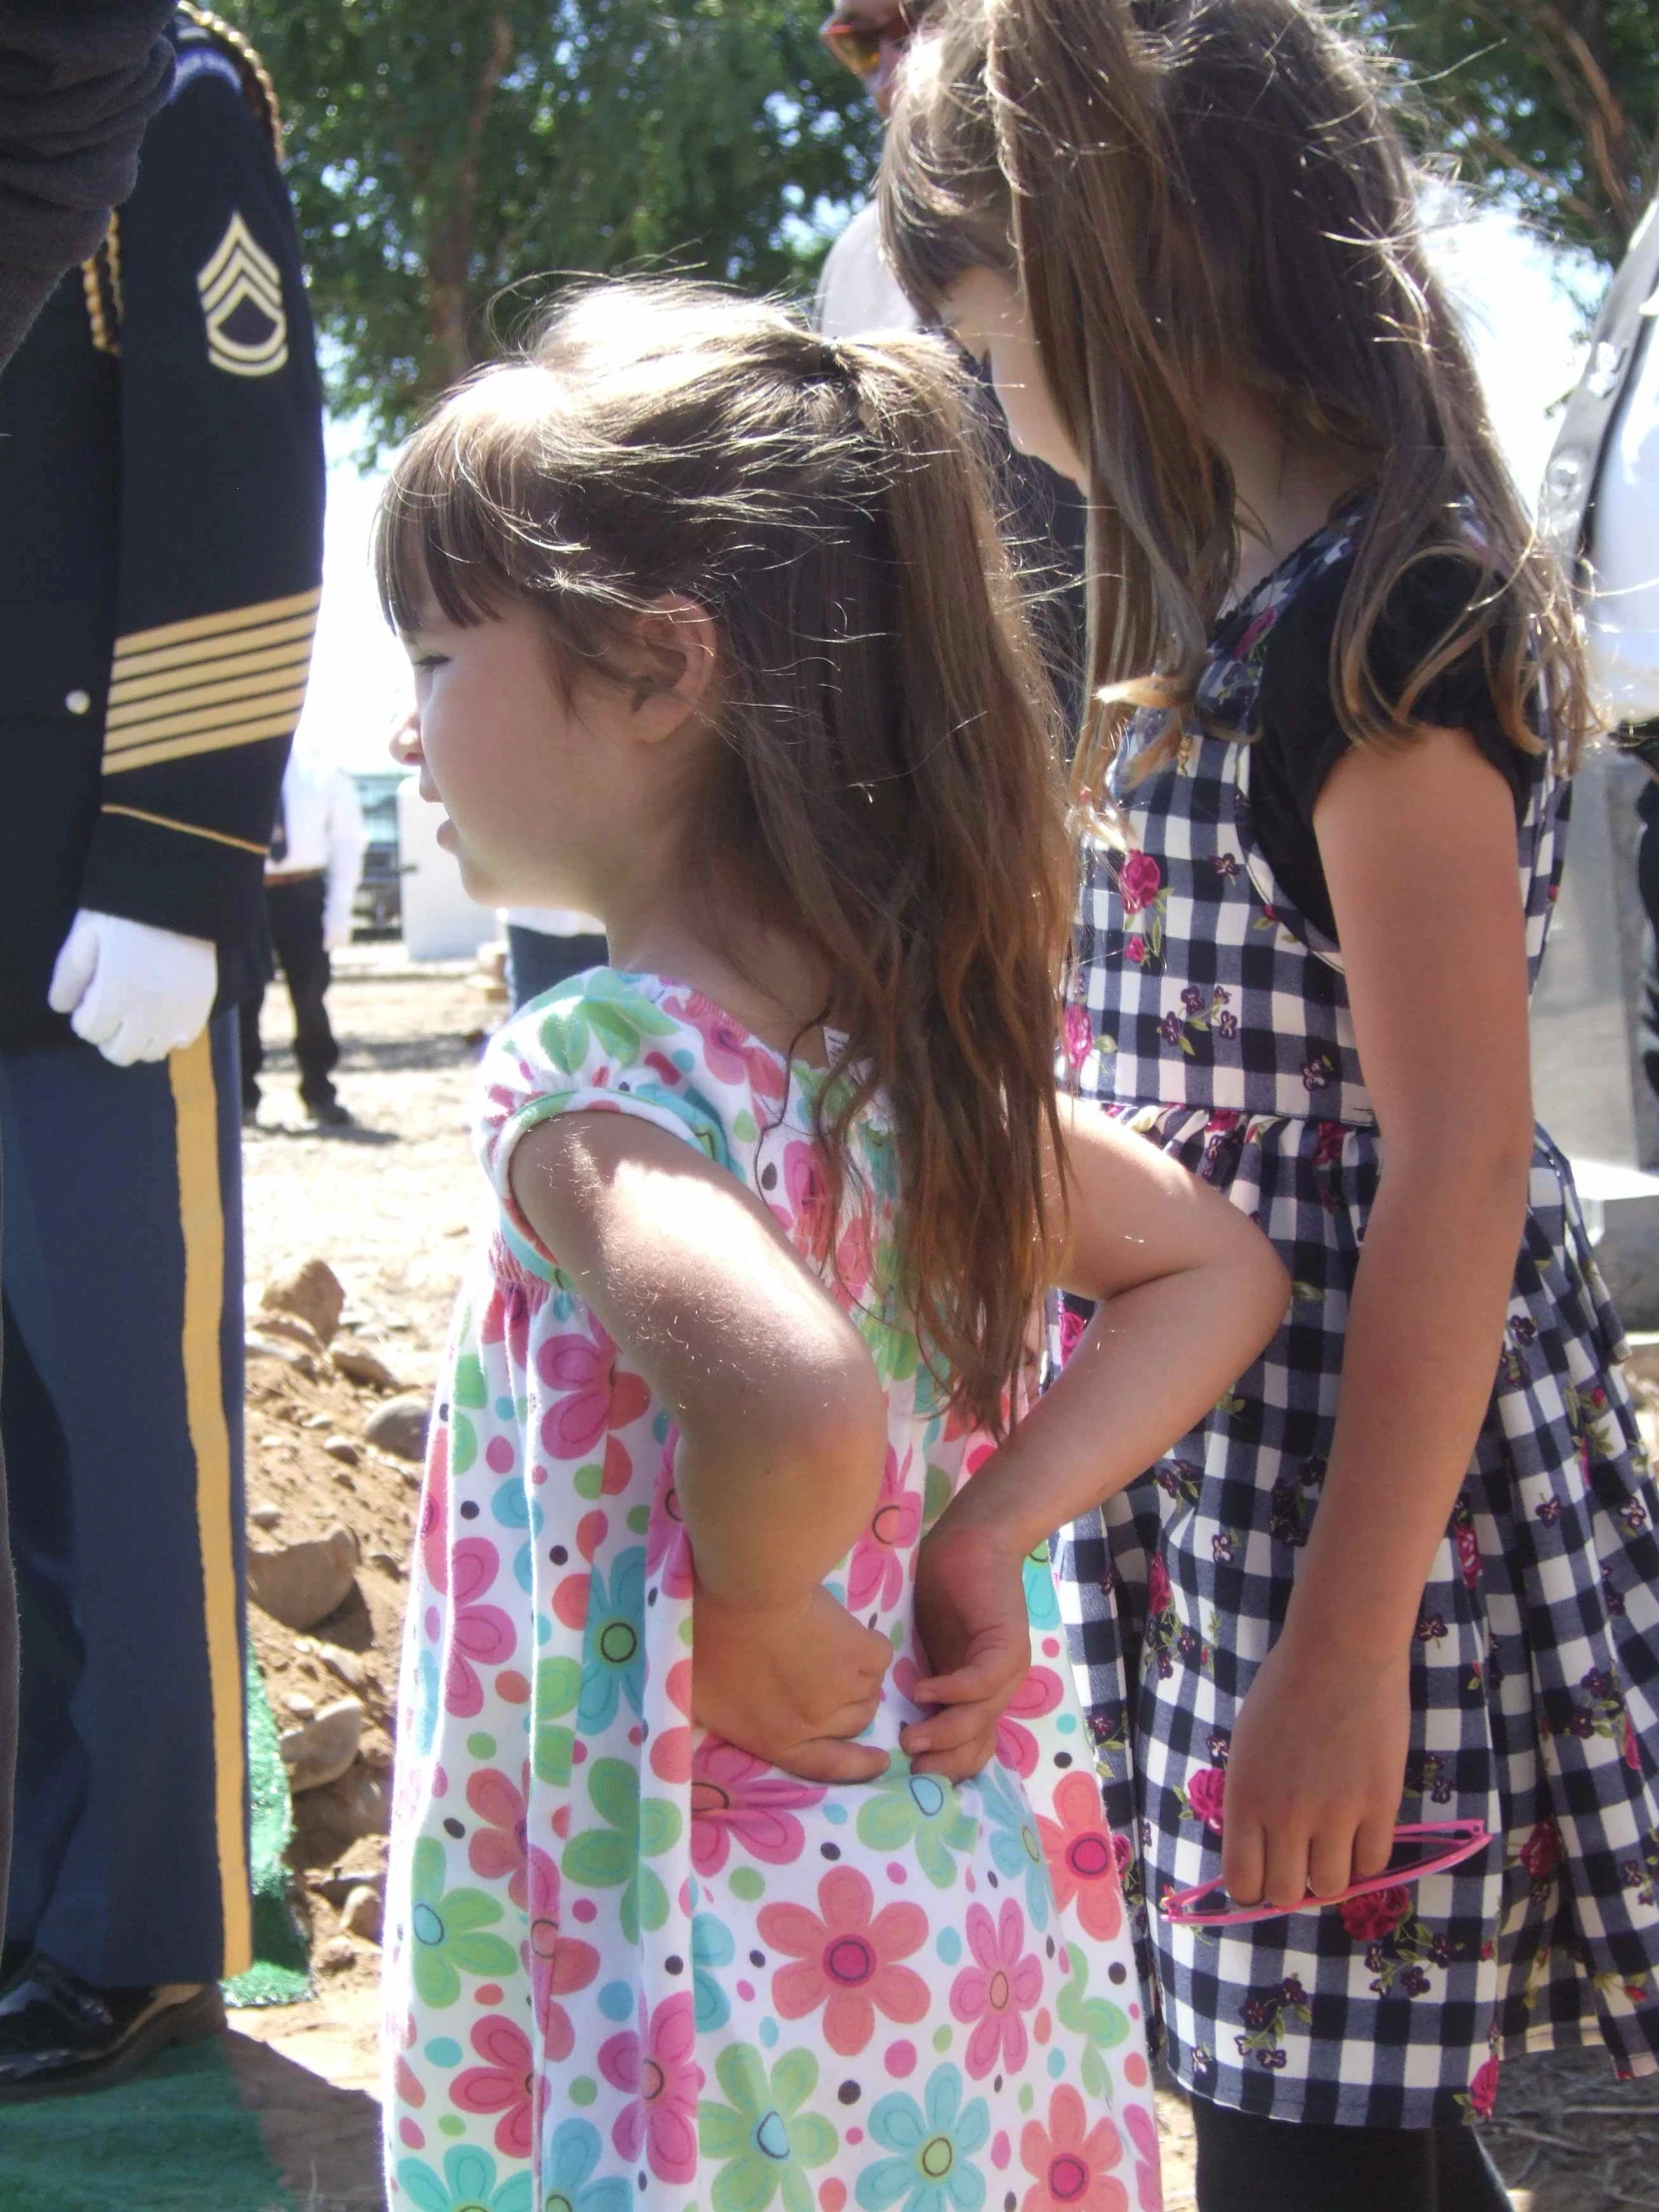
(1247, 2164)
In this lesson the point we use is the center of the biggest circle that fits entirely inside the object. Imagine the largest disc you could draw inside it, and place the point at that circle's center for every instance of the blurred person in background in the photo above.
(76, 92)
(160, 475)
(310, 881)
(545, 944)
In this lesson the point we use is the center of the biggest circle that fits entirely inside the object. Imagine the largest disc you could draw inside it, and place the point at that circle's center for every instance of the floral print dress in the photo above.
(628, 1964)
(1214, 1017)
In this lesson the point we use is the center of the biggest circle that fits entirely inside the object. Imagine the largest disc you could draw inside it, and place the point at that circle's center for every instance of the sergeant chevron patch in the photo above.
(242, 303)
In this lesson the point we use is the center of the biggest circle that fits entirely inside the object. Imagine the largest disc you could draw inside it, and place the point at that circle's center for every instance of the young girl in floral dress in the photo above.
(747, 1846)
(1406, 1569)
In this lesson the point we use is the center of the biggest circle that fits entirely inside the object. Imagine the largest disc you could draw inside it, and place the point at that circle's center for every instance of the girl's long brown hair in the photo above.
(887, 785)
(1199, 195)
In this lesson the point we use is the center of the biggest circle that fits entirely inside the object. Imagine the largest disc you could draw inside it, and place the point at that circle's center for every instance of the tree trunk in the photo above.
(450, 253)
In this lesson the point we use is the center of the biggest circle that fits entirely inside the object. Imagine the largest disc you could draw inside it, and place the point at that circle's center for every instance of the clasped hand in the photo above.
(789, 1683)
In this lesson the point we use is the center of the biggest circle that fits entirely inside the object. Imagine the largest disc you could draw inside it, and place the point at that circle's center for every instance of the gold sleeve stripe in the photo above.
(285, 696)
(210, 740)
(239, 680)
(186, 829)
(211, 626)
(134, 673)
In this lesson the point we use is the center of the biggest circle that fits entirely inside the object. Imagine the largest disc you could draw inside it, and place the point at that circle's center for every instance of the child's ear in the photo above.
(679, 648)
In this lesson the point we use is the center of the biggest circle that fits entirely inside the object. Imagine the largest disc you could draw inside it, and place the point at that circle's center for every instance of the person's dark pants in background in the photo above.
(122, 1417)
(295, 910)
(538, 962)
(1250, 2164)
(1647, 883)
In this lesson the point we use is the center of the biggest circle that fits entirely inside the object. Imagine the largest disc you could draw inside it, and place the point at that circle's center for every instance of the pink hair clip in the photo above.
(1465, 1839)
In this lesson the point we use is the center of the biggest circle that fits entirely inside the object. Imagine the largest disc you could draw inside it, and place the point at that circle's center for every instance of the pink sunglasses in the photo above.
(1465, 1839)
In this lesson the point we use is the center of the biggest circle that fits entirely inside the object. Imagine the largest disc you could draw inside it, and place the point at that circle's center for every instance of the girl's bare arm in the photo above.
(781, 1419)
(1419, 851)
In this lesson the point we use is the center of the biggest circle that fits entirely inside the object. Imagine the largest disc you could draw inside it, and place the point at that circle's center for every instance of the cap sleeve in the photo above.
(600, 1044)
(1295, 706)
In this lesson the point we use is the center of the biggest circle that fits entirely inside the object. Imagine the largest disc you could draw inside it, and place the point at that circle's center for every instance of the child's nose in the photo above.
(404, 743)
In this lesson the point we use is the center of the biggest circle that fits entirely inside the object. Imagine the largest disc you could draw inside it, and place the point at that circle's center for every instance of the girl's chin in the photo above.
(445, 836)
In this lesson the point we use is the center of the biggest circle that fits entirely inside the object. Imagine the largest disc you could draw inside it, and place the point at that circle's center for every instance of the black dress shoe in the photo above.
(327, 1113)
(60, 2035)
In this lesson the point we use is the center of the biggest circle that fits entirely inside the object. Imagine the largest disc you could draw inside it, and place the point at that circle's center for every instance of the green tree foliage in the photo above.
(452, 159)
(1554, 102)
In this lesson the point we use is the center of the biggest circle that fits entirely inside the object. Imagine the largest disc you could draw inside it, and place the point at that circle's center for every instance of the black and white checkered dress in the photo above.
(1216, 1021)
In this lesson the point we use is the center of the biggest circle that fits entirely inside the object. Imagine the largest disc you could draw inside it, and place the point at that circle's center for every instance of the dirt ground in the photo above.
(387, 1203)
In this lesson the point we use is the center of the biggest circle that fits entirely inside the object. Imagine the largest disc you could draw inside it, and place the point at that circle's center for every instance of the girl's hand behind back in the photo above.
(974, 1628)
(789, 1684)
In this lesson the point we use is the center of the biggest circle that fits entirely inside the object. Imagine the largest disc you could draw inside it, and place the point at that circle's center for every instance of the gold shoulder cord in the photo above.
(101, 274)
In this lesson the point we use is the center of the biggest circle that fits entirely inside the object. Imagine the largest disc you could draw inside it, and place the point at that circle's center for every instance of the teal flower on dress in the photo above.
(1101, 2023)
(449, 1931)
(933, 2146)
(1015, 1845)
(635, 1829)
(612, 1643)
(426, 1701)
(710, 1947)
(761, 2136)
(572, 2154)
(1041, 1601)
(467, 2184)
(557, 1687)
(921, 1811)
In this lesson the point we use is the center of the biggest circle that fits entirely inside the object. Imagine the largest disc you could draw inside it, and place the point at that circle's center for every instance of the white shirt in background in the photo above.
(325, 836)
(1623, 615)
(858, 293)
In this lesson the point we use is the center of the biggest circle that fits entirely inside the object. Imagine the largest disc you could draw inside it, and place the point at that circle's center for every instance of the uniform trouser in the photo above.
(1647, 884)
(295, 911)
(122, 1420)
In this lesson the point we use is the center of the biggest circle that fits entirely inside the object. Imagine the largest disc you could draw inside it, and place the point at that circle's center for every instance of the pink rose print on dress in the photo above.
(1483, 2090)
(657, 2066)
(1139, 882)
(596, 1400)
(1077, 1036)
(505, 2083)
(853, 1263)
(1370, 1918)
(668, 1548)
(846, 1960)
(515, 1302)
(1469, 1553)
(1540, 1855)
(1135, 952)
(483, 1634)
(498, 1847)
(1207, 1794)
(875, 1572)
(434, 1512)
(807, 1204)
(734, 1056)
(559, 1965)
(996, 1990)
(1082, 1856)
(1038, 1693)
(1071, 2162)
(1142, 2131)
(737, 1798)
(1156, 1584)
(1072, 1326)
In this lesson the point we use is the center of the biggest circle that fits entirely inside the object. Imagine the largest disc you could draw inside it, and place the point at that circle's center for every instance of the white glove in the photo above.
(134, 992)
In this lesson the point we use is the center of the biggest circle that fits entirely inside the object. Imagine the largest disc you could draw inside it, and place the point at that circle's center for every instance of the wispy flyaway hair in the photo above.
(887, 782)
(1199, 195)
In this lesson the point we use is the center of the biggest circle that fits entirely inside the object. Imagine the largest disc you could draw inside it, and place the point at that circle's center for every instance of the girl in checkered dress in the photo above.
(1406, 1570)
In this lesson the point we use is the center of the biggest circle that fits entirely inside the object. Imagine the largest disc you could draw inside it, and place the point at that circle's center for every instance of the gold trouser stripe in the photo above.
(209, 626)
(214, 741)
(261, 693)
(130, 666)
(204, 680)
(201, 1217)
(188, 829)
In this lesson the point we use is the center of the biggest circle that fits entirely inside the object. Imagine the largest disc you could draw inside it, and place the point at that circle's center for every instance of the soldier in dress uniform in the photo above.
(161, 477)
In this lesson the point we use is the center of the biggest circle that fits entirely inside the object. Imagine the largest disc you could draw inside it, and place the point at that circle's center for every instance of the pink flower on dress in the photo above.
(1468, 1552)
(875, 1572)
(734, 1056)
(853, 1261)
(1142, 2130)
(1207, 1794)
(1072, 1326)
(1082, 1856)
(1017, 1747)
(434, 1511)
(1156, 1584)
(1540, 1855)
(1483, 2090)
(482, 1635)
(518, 1297)
(505, 2083)
(1139, 882)
(596, 1400)
(1376, 1915)
(847, 1959)
(1629, 1750)
(737, 1797)
(996, 1990)
(1135, 951)
(498, 1847)
(1077, 1036)
(1071, 2162)
(559, 1965)
(667, 1545)
(805, 1211)
(657, 2066)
